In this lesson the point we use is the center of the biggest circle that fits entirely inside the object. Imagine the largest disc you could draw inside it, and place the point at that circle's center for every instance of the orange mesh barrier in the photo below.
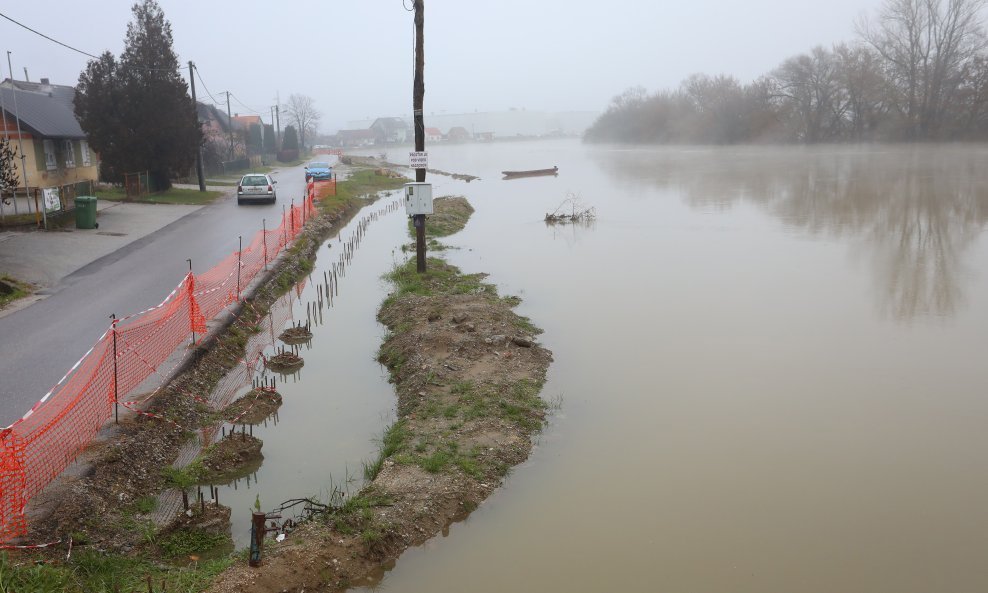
(38, 447)
(323, 189)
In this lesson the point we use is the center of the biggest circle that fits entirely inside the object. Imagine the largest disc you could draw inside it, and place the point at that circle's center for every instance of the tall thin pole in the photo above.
(239, 253)
(277, 120)
(192, 84)
(229, 119)
(418, 96)
(264, 242)
(20, 140)
(116, 393)
(190, 305)
(6, 132)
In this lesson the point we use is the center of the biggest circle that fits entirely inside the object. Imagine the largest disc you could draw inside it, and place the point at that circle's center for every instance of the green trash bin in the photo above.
(85, 212)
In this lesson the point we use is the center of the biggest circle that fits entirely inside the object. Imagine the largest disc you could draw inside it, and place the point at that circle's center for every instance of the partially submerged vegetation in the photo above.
(468, 373)
(571, 211)
(107, 513)
(450, 212)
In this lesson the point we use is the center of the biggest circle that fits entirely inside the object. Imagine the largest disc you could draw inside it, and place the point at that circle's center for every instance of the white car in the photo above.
(256, 187)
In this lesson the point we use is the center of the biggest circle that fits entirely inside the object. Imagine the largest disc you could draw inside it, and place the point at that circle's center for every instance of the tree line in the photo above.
(917, 71)
(138, 115)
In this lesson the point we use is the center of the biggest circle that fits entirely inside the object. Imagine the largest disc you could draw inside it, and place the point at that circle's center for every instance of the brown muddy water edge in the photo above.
(104, 504)
(468, 374)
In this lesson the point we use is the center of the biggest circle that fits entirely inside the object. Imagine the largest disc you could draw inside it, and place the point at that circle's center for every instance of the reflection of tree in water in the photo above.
(916, 208)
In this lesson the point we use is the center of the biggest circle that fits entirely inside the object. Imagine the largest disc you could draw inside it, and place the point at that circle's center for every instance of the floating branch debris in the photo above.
(572, 210)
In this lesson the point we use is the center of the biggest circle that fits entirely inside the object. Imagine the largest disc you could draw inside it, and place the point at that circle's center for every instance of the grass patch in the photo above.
(359, 184)
(92, 571)
(440, 277)
(191, 197)
(146, 504)
(185, 477)
(12, 289)
(526, 326)
(186, 542)
(436, 462)
(450, 215)
(395, 439)
(356, 515)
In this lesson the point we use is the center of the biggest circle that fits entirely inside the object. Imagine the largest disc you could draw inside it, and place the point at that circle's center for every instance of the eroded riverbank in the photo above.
(468, 373)
(105, 512)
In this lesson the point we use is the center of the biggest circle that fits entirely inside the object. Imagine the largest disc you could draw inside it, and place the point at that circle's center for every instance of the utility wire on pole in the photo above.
(192, 82)
(277, 122)
(20, 139)
(6, 132)
(229, 120)
(418, 96)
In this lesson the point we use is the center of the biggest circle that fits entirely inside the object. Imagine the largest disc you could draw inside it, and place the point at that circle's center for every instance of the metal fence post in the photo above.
(239, 252)
(257, 529)
(264, 242)
(116, 392)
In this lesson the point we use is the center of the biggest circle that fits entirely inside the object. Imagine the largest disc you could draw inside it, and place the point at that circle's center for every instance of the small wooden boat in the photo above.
(532, 173)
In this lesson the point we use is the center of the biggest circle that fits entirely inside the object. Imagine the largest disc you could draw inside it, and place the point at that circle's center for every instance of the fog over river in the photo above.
(771, 367)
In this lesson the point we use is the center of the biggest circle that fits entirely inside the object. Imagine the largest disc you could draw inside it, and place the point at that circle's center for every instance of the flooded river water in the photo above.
(770, 363)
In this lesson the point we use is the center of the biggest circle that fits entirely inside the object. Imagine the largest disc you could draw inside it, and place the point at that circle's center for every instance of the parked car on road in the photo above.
(318, 171)
(256, 187)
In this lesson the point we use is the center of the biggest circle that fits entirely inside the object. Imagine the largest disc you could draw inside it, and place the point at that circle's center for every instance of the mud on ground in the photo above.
(254, 407)
(100, 504)
(468, 373)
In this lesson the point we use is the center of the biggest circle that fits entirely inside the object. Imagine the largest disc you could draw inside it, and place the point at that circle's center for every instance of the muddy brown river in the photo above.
(770, 363)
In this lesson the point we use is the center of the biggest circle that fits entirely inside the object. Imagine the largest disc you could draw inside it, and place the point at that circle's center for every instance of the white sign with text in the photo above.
(418, 160)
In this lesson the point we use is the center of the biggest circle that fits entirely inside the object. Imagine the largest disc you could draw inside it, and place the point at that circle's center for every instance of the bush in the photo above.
(287, 156)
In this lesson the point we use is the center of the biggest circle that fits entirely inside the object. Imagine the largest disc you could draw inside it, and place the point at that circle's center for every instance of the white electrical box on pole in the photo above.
(418, 198)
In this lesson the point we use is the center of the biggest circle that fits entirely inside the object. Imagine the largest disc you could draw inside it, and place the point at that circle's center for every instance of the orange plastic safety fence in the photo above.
(324, 189)
(39, 446)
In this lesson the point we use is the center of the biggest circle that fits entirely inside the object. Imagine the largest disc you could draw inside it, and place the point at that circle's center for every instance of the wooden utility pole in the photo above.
(192, 85)
(229, 120)
(418, 95)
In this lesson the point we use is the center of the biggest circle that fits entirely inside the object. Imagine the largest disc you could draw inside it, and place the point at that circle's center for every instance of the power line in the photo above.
(244, 106)
(47, 37)
(76, 49)
(215, 102)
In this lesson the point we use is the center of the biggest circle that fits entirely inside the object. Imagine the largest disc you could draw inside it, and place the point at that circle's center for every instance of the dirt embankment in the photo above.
(468, 373)
(102, 507)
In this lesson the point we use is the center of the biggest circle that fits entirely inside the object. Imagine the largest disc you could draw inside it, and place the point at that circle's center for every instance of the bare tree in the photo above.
(302, 111)
(808, 86)
(862, 88)
(926, 45)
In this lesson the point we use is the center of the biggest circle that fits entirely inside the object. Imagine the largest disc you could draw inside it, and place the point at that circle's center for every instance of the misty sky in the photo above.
(355, 58)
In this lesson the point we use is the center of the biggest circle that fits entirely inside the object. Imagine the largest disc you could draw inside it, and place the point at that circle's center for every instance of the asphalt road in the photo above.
(40, 343)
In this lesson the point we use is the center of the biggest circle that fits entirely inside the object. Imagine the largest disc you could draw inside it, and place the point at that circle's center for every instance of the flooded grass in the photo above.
(450, 215)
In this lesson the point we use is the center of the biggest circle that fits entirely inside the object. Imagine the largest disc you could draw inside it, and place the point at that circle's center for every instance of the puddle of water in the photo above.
(769, 363)
(340, 400)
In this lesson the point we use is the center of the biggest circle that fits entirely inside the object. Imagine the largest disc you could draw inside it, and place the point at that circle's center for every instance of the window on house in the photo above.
(84, 148)
(69, 152)
(51, 162)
